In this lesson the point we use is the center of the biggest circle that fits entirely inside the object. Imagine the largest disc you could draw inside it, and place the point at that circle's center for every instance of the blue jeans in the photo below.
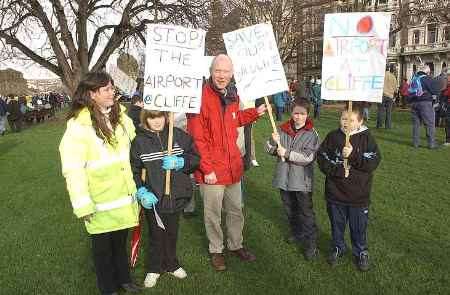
(422, 111)
(385, 113)
(357, 218)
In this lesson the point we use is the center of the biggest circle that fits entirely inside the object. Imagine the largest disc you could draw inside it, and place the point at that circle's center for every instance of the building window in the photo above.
(446, 36)
(432, 33)
(416, 37)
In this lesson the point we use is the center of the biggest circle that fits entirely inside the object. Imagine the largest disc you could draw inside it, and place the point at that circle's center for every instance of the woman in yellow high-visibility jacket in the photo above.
(95, 162)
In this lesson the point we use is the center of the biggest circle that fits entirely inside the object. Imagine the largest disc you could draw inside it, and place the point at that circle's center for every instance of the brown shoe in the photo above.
(218, 261)
(244, 254)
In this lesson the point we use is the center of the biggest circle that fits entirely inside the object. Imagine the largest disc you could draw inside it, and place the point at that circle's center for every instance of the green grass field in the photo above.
(45, 249)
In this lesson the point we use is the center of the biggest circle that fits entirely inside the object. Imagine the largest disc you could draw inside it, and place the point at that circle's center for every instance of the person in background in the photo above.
(280, 99)
(95, 158)
(422, 108)
(15, 116)
(404, 92)
(136, 106)
(384, 114)
(3, 116)
(316, 97)
(446, 96)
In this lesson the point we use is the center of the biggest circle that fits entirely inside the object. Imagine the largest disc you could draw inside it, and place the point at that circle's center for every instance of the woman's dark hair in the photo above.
(92, 82)
(145, 114)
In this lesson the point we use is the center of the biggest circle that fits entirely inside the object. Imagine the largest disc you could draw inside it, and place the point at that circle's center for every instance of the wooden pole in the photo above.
(272, 121)
(169, 152)
(347, 138)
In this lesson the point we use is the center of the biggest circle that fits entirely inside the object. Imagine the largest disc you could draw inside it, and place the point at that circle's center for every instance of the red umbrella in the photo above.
(136, 241)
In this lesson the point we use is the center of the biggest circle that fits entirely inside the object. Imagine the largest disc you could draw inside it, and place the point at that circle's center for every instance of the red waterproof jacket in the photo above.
(214, 131)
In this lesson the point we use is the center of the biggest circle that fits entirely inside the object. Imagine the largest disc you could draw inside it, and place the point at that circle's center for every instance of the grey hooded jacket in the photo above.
(296, 173)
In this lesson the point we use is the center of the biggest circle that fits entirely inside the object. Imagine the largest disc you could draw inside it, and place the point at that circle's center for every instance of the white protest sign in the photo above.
(122, 80)
(354, 56)
(173, 78)
(258, 70)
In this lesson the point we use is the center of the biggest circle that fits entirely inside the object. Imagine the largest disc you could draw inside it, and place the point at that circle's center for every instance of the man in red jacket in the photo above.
(214, 131)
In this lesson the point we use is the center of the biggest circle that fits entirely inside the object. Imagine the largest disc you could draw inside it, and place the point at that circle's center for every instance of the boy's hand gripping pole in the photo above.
(272, 121)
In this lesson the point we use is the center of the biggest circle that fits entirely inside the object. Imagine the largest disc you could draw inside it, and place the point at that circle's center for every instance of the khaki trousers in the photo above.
(228, 198)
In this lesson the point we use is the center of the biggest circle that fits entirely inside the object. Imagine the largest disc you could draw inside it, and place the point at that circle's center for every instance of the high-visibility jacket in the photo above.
(98, 175)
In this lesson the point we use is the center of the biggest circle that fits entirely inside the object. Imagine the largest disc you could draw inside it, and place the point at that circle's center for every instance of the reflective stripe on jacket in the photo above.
(98, 175)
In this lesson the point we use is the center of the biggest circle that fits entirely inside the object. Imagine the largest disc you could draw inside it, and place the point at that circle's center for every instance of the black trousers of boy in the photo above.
(163, 243)
(301, 217)
(357, 218)
(111, 260)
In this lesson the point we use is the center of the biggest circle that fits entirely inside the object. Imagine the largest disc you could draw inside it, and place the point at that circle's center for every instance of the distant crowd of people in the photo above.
(17, 110)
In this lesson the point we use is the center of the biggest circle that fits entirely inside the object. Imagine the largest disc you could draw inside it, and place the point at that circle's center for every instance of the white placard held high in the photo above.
(354, 56)
(258, 70)
(173, 78)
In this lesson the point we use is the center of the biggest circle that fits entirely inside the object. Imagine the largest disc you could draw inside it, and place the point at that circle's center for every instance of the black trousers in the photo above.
(111, 260)
(163, 243)
(301, 216)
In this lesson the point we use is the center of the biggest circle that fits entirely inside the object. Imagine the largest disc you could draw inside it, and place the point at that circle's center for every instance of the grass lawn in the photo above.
(45, 249)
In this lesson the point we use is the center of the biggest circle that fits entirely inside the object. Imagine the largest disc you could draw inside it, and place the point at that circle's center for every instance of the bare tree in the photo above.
(72, 37)
(279, 12)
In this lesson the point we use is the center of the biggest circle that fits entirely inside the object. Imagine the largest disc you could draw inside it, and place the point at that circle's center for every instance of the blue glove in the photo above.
(147, 199)
(172, 162)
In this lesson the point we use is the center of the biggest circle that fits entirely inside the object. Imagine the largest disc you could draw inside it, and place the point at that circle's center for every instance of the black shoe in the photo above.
(362, 262)
(131, 288)
(334, 256)
(311, 253)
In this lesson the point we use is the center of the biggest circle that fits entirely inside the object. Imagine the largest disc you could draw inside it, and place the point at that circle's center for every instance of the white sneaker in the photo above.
(255, 163)
(446, 144)
(180, 273)
(151, 279)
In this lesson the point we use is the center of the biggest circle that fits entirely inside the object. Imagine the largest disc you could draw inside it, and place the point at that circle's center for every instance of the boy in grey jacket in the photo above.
(295, 145)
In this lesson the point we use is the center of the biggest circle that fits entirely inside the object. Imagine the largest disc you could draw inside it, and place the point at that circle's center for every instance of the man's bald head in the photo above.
(221, 71)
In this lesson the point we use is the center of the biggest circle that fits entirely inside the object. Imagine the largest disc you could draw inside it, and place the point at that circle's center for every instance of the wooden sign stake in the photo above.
(272, 121)
(169, 152)
(347, 138)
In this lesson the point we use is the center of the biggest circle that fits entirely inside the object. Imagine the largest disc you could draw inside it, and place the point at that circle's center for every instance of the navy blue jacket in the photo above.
(430, 87)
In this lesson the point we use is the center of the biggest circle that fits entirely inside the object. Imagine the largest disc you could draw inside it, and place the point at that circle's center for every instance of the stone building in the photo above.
(423, 38)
